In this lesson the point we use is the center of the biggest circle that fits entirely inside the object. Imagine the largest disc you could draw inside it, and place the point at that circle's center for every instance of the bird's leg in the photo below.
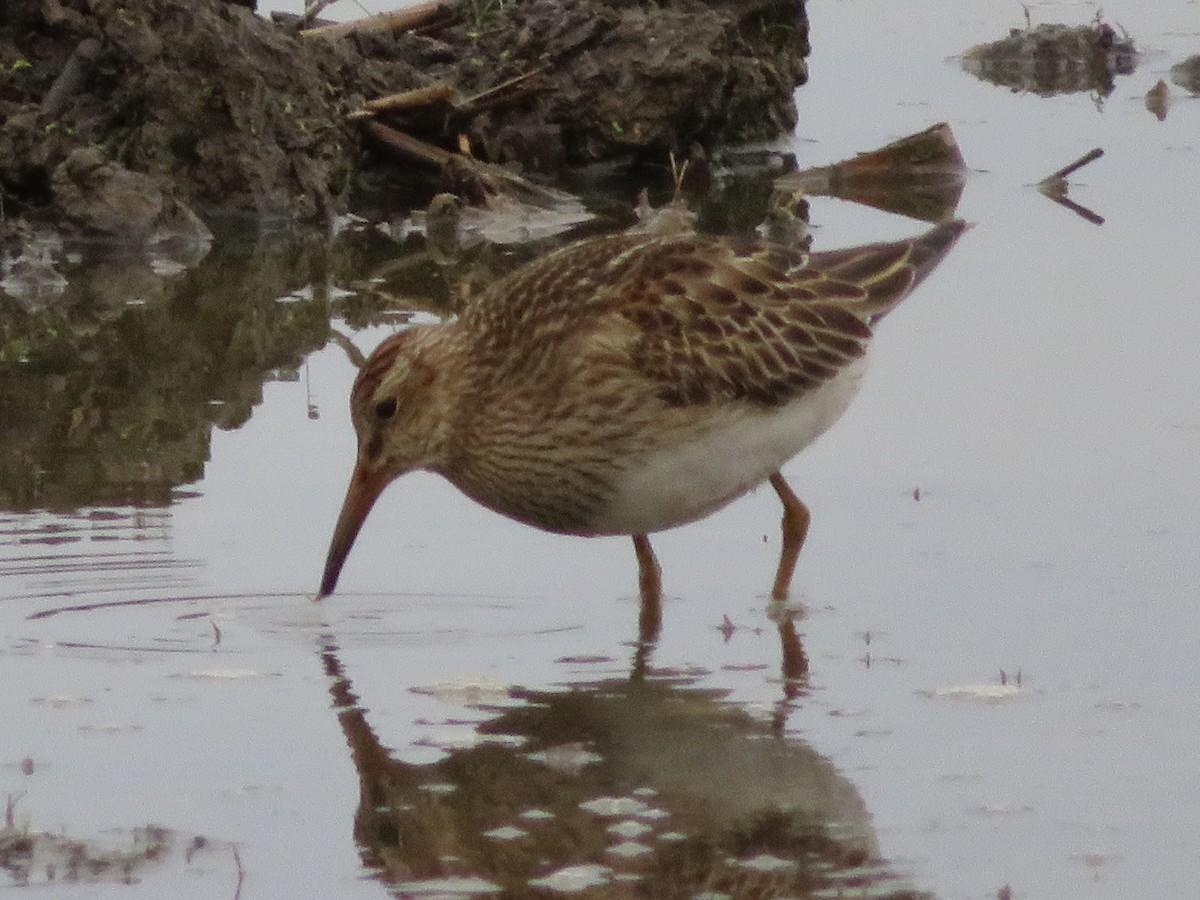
(794, 669)
(795, 526)
(650, 586)
(793, 659)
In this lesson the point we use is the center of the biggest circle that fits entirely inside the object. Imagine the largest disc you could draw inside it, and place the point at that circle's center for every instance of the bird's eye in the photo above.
(385, 409)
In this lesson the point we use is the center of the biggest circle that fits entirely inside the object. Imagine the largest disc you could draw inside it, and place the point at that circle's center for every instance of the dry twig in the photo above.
(397, 20)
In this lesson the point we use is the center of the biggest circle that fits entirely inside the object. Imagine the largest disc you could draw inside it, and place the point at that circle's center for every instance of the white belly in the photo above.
(680, 484)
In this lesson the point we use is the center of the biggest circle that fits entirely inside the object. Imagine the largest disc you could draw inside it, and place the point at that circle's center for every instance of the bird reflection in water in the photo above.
(644, 786)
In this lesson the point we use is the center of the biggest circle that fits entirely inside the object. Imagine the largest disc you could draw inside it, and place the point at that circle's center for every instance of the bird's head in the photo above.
(400, 420)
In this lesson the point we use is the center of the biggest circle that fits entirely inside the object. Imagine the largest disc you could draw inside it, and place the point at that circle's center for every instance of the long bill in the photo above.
(365, 487)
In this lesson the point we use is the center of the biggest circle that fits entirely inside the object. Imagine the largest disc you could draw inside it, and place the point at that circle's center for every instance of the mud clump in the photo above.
(130, 119)
(196, 105)
(625, 81)
(1186, 74)
(1055, 59)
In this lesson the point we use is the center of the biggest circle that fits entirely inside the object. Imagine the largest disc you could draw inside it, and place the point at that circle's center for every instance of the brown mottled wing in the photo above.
(519, 325)
(760, 323)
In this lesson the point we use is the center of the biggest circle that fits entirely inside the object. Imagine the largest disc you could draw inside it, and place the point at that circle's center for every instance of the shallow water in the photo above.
(1015, 490)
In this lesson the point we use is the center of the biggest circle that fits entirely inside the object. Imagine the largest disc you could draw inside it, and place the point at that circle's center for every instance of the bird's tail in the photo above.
(888, 272)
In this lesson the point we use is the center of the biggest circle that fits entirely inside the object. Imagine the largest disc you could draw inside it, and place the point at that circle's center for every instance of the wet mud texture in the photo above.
(135, 118)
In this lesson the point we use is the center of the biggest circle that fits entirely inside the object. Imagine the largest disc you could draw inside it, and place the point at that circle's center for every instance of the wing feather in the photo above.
(699, 320)
(719, 321)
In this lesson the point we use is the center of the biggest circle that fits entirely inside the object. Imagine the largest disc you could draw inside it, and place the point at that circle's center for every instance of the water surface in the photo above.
(1015, 490)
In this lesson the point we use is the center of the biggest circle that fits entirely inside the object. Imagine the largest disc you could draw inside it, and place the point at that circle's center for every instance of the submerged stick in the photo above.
(1055, 187)
(1082, 211)
(1091, 156)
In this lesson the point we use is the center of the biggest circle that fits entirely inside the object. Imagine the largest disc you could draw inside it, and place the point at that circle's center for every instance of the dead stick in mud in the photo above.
(398, 20)
(468, 175)
(492, 94)
(70, 81)
(487, 177)
(438, 92)
(409, 146)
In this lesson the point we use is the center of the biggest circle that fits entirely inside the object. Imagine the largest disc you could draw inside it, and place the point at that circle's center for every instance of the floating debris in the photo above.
(653, 814)
(630, 828)
(1158, 100)
(1186, 74)
(629, 849)
(1055, 59)
(614, 806)
(506, 833)
(990, 693)
(460, 736)
(61, 701)
(997, 810)
(448, 224)
(1097, 860)
(569, 758)
(764, 862)
(466, 691)
(573, 879)
(31, 858)
(226, 674)
(584, 659)
(111, 728)
(1055, 186)
(445, 887)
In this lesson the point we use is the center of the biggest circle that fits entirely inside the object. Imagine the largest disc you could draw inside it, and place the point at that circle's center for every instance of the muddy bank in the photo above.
(148, 118)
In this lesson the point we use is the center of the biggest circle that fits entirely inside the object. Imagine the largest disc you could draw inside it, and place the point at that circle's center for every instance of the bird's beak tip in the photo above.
(364, 488)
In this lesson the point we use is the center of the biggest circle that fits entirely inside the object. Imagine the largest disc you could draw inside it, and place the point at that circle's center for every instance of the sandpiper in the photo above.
(626, 384)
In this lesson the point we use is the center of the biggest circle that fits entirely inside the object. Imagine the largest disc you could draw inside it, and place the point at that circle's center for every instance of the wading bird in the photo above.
(627, 384)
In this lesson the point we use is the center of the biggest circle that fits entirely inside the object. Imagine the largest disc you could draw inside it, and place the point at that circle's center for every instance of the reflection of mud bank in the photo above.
(111, 390)
(122, 117)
